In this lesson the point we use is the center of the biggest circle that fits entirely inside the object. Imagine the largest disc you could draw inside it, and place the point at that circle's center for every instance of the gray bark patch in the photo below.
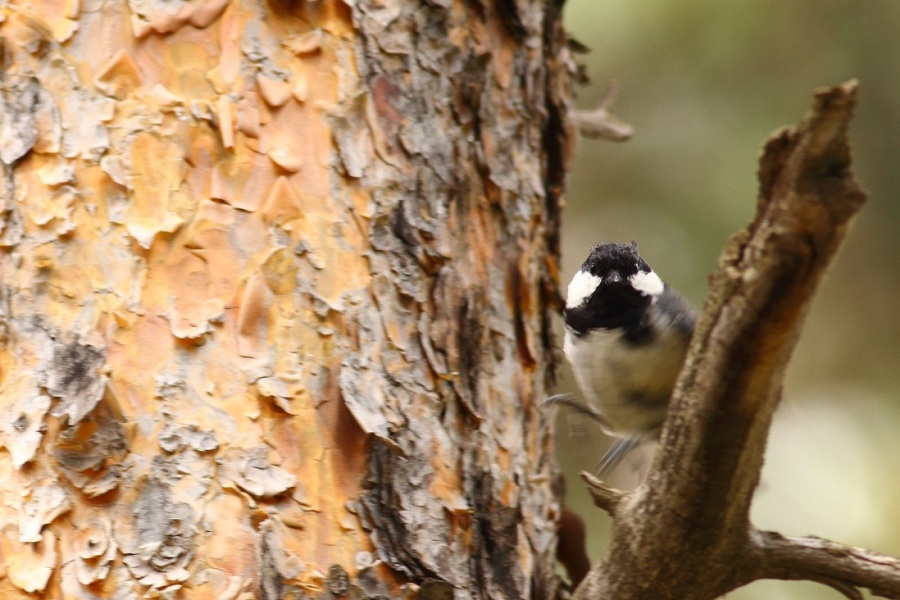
(73, 376)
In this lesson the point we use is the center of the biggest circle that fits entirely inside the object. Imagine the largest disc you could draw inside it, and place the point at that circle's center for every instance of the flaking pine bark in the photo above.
(275, 296)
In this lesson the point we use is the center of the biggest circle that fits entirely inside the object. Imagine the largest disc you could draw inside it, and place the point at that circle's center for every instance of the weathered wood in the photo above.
(685, 532)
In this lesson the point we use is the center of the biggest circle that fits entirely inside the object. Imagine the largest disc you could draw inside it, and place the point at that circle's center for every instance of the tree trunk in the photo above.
(275, 286)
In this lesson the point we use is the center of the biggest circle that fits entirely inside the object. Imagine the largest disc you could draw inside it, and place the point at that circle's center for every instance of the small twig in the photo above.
(605, 497)
(600, 123)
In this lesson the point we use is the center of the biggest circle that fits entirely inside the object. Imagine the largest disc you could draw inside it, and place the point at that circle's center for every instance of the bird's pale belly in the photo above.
(629, 385)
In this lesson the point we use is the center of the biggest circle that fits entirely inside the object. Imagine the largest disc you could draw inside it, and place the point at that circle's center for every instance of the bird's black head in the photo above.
(612, 290)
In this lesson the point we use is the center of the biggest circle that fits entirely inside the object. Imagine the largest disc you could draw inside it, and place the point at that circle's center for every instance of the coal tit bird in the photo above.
(626, 337)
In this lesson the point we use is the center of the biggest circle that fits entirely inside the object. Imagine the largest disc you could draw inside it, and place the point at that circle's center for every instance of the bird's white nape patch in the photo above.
(582, 286)
(648, 284)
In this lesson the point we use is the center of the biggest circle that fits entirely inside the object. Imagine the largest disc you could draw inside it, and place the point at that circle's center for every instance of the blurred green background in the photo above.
(704, 83)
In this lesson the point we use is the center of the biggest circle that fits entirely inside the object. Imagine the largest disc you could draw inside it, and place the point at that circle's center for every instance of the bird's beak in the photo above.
(614, 277)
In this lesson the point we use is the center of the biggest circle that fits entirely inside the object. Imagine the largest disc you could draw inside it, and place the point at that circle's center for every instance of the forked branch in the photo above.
(685, 532)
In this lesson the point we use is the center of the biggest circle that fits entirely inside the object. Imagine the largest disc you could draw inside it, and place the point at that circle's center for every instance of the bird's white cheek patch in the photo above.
(648, 284)
(582, 286)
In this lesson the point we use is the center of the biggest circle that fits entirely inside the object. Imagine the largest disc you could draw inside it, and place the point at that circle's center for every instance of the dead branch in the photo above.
(605, 497)
(815, 559)
(685, 532)
(600, 123)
